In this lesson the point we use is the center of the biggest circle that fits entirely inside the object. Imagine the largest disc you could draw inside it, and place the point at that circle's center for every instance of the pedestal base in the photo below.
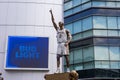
(58, 76)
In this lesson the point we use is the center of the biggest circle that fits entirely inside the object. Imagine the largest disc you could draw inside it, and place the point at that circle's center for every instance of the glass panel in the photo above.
(101, 53)
(100, 32)
(87, 33)
(77, 36)
(87, 23)
(114, 65)
(112, 33)
(77, 9)
(114, 53)
(76, 2)
(77, 26)
(112, 22)
(88, 53)
(98, 4)
(89, 65)
(78, 67)
(71, 57)
(69, 27)
(87, 5)
(67, 13)
(68, 5)
(99, 22)
(118, 4)
(83, 1)
(119, 22)
(110, 4)
(98, 64)
(105, 64)
(78, 56)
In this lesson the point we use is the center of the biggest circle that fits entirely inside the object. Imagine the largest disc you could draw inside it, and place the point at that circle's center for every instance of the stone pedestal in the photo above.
(58, 76)
(73, 75)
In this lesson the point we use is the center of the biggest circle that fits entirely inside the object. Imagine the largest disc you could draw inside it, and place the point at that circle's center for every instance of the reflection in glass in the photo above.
(68, 5)
(112, 22)
(98, 64)
(114, 65)
(67, 13)
(118, 22)
(98, 4)
(118, 4)
(77, 36)
(89, 65)
(105, 64)
(114, 53)
(100, 32)
(83, 1)
(87, 23)
(77, 9)
(87, 33)
(77, 26)
(76, 2)
(88, 54)
(99, 22)
(78, 66)
(78, 56)
(110, 4)
(87, 5)
(112, 33)
(71, 57)
(101, 53)
(69, 27)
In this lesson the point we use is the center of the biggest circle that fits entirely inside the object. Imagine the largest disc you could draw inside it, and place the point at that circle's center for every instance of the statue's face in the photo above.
(61, 25)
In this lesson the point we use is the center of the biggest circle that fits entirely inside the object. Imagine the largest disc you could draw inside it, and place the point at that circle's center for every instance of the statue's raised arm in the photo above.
(53, 20)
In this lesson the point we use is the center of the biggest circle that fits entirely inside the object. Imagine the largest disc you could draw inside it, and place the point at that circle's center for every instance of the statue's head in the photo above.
(61, 25)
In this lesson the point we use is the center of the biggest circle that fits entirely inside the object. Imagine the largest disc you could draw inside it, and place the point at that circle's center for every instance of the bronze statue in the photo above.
(63, 39)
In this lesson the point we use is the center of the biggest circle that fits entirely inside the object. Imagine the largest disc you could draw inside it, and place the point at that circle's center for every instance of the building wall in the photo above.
(28, 18)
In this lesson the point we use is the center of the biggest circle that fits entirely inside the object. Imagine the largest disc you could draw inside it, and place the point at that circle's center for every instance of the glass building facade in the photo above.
(95, 47)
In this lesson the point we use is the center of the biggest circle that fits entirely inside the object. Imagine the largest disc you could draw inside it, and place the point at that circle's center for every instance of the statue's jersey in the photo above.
(61, 35)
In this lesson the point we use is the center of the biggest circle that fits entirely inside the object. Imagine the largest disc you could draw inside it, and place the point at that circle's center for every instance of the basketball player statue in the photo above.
(63, 39)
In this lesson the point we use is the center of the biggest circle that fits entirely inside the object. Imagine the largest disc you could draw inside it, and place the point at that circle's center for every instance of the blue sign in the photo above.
(27, 52)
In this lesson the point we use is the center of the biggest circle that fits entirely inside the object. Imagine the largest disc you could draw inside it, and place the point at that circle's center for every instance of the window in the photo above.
(77, 26)
(98, 64)
(110, 4)
(119, 22)
(100, 32)
(77, 9)
(87, 23)
(87, 33)
(112, 22)
(89, 65)
(114, 53)
(87, 5)
(77, 36)
(83, 1)
(118, 4)
(105, 64)
(78, 67)
(114, 65)
(76, 2)
(112, 33)
(68, 5)
(71, 57)
(78, 56)
(99, 22)
(67, 13)
(98, 4)
(69, 27)
(101, 53)
(88, 54)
